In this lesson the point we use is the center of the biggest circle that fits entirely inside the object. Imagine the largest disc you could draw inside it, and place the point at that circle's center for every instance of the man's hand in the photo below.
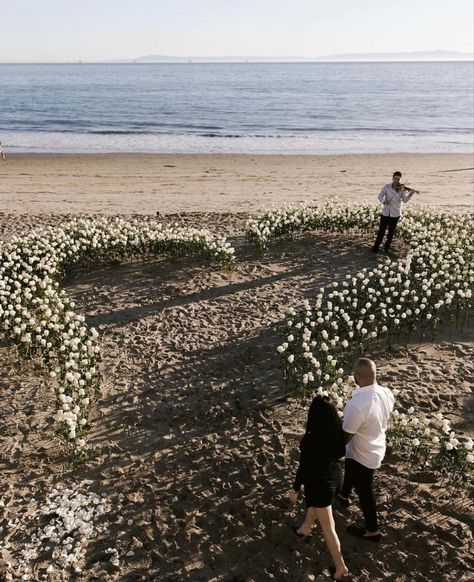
(293, 495)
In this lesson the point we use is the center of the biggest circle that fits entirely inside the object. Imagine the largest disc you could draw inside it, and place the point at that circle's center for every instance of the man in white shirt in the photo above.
(391, 196)
(366, 418)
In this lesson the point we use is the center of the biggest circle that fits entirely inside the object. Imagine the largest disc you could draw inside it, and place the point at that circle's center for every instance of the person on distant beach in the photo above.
(366, 418)
(320, 472)
(391, 196)
(2, 153)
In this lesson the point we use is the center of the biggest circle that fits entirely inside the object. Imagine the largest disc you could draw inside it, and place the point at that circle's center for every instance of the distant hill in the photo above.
(438, 55)
(406, 56)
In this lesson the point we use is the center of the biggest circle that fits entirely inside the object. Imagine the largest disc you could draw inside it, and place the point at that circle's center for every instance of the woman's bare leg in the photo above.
(326, 521)
(305, 528)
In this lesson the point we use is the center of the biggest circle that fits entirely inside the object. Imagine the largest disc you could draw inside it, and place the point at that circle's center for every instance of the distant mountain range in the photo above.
(438, 55)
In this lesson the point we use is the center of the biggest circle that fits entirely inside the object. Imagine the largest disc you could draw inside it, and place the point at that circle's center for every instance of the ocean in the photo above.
(271, 108)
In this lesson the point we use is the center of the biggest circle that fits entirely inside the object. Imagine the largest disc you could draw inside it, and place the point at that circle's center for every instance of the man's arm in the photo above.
(381, 196)
(353, 420)
(348, 436)
(406, 197)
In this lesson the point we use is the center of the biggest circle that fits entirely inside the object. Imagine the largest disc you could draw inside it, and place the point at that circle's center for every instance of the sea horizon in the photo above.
(240, 62)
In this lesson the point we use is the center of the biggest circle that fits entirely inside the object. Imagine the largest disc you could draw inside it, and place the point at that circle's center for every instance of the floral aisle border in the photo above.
(36, 316)
(396, 298)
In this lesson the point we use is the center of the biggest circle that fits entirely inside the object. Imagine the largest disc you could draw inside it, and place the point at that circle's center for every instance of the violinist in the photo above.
(391, 196)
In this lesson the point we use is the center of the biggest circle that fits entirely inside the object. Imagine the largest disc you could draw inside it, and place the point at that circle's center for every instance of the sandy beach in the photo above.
(145, 184)
(194, 425)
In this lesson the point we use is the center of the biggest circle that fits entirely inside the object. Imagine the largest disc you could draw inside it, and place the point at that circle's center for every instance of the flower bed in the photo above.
(37, 317)
(393, 301)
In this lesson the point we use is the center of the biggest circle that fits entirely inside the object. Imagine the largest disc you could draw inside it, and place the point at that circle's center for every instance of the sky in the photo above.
(94, 30)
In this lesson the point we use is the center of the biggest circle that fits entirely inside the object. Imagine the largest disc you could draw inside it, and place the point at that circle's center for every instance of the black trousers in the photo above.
(360, 478)
(389, 222)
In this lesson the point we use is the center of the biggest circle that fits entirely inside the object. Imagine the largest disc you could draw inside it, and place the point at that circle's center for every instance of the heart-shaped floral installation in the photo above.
(396, 297)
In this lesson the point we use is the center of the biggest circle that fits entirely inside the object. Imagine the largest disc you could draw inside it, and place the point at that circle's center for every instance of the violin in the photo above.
(407, 188)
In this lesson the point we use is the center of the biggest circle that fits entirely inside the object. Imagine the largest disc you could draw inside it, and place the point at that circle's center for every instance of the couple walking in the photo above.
(361, 439)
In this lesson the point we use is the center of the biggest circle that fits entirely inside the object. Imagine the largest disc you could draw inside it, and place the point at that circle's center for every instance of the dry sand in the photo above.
(145, 184)
(194, 424)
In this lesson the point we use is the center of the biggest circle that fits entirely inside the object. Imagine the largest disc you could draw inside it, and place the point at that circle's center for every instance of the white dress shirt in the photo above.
(392, 200)
(366, 417)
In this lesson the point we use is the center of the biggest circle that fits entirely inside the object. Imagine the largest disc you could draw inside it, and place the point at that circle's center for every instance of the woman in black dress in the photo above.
(319, 471)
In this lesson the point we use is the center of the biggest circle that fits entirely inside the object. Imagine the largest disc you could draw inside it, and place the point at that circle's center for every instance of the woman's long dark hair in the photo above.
(322, 415)
(324, 423)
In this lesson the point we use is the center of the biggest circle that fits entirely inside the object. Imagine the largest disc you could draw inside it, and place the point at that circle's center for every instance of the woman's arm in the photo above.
(300, 472)
(348, 436)
(293, 493)
(298, 478)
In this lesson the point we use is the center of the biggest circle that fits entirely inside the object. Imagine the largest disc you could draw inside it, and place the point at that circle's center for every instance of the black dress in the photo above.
(319, 470)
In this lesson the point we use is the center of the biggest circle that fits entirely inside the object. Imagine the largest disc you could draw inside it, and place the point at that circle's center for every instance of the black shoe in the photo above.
(374, 249)
(360, 532)
(343, 501)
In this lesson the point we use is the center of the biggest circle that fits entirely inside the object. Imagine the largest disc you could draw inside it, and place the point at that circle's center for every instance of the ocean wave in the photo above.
(285, 133)
(316, 143)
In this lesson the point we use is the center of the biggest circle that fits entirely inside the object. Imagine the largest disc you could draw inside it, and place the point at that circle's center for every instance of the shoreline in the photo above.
(46, 154)
(121, 183)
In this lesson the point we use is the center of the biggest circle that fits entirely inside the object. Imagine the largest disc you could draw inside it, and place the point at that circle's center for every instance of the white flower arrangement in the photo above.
(396, 297)
(37, 317)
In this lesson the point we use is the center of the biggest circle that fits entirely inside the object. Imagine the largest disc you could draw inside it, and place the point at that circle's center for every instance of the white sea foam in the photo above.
(320, 143)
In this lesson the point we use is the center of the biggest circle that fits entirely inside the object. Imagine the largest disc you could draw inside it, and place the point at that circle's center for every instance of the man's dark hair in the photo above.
(397, 174)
